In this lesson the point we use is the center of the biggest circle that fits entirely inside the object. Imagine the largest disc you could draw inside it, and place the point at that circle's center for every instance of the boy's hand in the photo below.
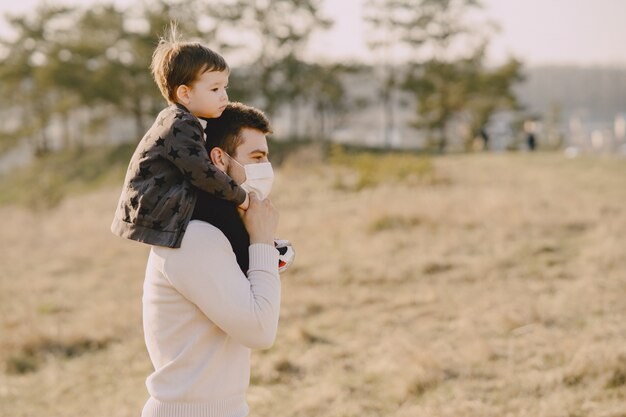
(246, 203)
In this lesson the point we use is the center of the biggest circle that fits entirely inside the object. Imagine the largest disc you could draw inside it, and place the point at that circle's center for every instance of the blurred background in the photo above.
(452, 174)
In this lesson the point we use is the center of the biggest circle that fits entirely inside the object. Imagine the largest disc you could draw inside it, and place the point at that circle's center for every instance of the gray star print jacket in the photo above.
(159, 192)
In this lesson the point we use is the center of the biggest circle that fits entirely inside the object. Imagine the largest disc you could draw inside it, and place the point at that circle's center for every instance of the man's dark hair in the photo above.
(176, 63)
(224, 131)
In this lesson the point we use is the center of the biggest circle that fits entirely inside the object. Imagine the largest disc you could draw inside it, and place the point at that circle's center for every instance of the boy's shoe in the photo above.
(286, 254)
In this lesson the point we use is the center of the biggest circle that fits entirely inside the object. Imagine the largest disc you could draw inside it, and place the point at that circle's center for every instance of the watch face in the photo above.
(286, 254)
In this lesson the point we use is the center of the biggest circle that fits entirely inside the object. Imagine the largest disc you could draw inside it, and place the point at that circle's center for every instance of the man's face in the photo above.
(207, 95)
(252, 150)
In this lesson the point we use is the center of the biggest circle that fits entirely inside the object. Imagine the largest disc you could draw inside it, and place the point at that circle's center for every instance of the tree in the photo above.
(317, 86)
(439, 90)
(420, 31)
(429, 34)
(327, 94)
(448, 89)
(385, 34)
(94, 62)
(25, 70)
(278, 30)
(489, 90)
(114, 48)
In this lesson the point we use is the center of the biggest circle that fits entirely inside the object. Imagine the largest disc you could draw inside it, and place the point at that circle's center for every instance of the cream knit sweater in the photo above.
(201, 317)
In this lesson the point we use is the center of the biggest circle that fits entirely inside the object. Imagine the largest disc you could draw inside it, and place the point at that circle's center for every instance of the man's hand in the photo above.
(261, 220)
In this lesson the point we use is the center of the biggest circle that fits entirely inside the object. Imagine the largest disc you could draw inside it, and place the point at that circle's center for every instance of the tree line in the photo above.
(62, 61)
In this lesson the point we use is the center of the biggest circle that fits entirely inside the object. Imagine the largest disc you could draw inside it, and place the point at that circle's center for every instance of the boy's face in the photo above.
(207, 97)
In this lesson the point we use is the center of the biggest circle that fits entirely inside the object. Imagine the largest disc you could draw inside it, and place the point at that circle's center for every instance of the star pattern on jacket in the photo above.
(187, 175)
(144, 172)
(174, 154)
(193, 151)
(209, 173)
(170, 157)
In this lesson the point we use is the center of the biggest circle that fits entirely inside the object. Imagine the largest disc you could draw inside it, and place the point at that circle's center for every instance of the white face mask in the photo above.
(259, 178)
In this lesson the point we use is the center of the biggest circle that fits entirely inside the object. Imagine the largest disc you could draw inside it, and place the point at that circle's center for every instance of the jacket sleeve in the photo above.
(205, 271)
(184, 147)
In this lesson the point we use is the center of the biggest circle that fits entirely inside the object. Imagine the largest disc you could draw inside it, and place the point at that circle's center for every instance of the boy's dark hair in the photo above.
(176, 63)
(223, 132)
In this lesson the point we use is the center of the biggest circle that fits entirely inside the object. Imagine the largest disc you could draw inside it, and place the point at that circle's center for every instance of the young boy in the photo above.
(171, 160)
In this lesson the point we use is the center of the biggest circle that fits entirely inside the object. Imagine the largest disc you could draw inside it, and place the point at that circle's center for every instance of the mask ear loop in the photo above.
(237, 162)
(233, 159)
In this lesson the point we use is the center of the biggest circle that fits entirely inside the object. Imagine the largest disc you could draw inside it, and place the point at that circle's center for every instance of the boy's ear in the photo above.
(182, 94)
(218, 157)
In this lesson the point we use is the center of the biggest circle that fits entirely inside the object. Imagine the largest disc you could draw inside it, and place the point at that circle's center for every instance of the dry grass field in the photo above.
(478, 286)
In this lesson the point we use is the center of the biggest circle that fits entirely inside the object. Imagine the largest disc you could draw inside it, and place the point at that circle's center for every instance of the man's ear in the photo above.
(182, 94)
(218, 157)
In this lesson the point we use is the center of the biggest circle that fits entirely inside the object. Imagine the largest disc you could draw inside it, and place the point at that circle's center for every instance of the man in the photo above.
(202, 314)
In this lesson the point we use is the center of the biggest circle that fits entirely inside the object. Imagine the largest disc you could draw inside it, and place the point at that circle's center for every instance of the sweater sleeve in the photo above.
(184, 147)
(205, 271)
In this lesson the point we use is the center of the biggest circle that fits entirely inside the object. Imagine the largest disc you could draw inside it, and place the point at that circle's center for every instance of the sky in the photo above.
(580, 32)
